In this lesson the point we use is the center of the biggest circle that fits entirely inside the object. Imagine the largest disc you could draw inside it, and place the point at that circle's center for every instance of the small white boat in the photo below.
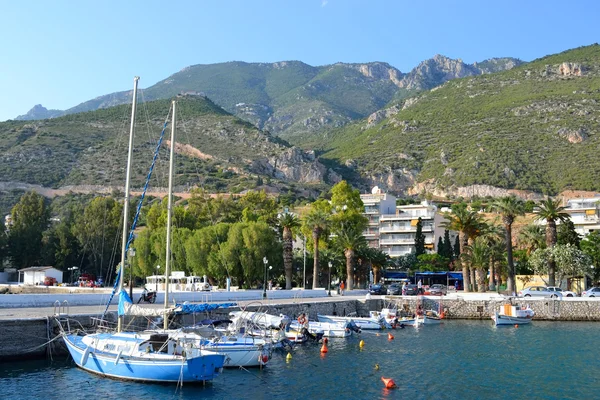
(367, 323)
(430, 317)
(513, 315)
(328, 329)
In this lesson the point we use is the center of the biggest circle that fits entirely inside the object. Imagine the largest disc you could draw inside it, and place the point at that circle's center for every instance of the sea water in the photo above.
(454, 360)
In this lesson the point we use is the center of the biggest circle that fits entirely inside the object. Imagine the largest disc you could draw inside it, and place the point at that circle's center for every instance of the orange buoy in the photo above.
(516, 325)
(324, 348)
(442, 315)
(390, 336)
(388, 382)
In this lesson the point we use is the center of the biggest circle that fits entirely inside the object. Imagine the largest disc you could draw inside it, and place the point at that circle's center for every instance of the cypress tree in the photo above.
(448, 253)
(419, 239)
(440, 247)
(456, 248)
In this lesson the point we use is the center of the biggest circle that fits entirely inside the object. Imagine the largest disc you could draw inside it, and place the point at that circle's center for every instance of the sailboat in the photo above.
(144, 356)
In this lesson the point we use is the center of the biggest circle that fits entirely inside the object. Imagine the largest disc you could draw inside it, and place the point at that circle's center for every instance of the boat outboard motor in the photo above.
(352, 326)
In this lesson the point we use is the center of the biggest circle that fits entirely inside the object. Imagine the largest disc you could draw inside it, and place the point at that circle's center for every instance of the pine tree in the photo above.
(419, 239)
(440, 247)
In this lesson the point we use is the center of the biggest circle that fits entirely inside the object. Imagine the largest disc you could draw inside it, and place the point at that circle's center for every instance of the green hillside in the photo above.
(216, 150)
(533, 127)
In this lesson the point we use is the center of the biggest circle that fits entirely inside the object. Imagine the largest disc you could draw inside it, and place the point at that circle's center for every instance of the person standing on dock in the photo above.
(342, 287)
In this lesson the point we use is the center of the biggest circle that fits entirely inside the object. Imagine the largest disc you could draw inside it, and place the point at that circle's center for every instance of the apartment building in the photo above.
(392, 228)
(585, 214)
(376, 204)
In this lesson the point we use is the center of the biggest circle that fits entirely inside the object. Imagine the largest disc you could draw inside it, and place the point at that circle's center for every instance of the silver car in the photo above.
(566, 293)
(591, 292)
(539, 291)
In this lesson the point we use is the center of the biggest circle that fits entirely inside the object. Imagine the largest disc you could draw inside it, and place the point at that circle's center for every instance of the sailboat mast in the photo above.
(169, 213)
(126, 202)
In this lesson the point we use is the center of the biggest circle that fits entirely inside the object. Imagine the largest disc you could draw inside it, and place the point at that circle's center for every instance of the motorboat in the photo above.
(366, 323)
(430, 317)
(329, 329)
(509, 314)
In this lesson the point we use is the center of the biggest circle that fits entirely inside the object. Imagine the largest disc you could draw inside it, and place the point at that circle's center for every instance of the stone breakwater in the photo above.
(33, 338)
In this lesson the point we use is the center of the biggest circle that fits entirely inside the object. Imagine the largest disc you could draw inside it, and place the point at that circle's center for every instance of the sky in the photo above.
(60, 53)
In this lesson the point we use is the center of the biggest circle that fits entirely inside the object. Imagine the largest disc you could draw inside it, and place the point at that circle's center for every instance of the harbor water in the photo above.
(454, 360)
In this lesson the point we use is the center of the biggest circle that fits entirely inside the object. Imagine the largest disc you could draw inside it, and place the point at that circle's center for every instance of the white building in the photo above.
(37, 275)
(392, 228)
(397, 231)
(585, 214)
(376, 204)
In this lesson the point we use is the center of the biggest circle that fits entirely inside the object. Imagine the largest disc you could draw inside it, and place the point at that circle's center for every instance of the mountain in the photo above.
(40, 112)
(533, 127)
(294, 100)
(215, 150)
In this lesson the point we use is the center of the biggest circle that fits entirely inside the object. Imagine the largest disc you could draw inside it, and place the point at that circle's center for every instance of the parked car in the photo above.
(413, 290)
(377, 289)
(394, 289)
(438, 289)
(540, 291)
(565, 293)
(591, 292)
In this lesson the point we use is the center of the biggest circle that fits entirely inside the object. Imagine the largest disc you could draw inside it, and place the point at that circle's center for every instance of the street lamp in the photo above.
(156, 278)
(329, 277)
(265, 276)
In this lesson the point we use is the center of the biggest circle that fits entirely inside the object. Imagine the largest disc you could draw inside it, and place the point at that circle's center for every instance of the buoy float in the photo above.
(361, 344)
(388, 382)
(390, 336)
(289, 357)
(376, 367)
(378, 334)
(516, 325)
(324, 347)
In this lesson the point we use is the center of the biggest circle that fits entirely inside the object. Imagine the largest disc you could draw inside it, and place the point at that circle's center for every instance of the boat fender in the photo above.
(85, 356)
(118, 357)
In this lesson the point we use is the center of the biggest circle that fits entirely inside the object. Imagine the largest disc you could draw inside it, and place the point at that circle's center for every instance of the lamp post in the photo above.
(265, 277)
(329, 277)
(156, 278)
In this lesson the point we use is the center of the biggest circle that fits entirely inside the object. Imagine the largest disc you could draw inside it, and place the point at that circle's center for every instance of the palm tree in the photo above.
(551, 211)
(467, 223)
(509, 207)
(531, 237)
(350, 239)
(477, 256)
(493, 236)
(317, 220)
(287, 222)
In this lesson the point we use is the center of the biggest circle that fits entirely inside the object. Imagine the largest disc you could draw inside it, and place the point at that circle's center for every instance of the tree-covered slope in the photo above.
(533, 127)
(215, 149)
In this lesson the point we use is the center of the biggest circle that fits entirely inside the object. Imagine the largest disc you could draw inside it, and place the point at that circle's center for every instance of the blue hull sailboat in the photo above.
(143, 356)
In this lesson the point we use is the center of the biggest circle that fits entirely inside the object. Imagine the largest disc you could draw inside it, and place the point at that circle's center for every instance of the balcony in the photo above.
(398, 228)
(407, 216)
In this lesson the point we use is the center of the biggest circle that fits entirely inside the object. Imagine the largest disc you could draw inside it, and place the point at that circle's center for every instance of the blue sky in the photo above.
(59, 53)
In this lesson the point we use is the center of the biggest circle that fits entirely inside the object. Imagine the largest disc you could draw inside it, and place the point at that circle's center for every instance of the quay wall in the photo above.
(33, 338)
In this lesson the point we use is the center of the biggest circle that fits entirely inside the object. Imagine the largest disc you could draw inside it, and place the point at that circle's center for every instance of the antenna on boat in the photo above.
(126, 202)
(169, 213)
